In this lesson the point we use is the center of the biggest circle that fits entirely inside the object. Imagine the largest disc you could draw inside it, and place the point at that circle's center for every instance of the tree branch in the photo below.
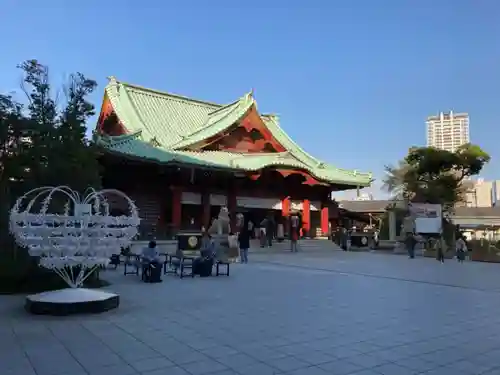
(22, 85)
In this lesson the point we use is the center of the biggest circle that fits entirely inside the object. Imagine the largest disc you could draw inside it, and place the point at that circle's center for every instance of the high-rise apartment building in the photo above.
(448, 131)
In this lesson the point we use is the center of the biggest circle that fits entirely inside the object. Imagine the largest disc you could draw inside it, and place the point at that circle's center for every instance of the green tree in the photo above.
(41, 143)
(432, 175)
(64, 154)
(394, 179)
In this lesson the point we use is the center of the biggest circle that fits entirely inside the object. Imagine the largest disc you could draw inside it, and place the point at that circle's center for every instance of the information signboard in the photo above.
(428, 217)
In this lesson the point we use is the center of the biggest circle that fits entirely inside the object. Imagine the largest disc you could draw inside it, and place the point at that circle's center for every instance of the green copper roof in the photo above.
(161, 126)
(132, 146)
(218, 121)
(174, 121)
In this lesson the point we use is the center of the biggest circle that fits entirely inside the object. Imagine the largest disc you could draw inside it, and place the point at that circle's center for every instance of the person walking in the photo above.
(410, 243)
(270, 229)
(461, 249)
(262, 232)
(439, 248)
(294, 233)
(244, 240)
(408, 229)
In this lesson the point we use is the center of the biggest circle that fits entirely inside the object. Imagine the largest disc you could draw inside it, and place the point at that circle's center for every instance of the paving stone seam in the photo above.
(346, 272)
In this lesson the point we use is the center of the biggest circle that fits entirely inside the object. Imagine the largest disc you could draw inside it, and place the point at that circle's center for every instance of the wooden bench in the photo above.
(134, 261)
(178, 263)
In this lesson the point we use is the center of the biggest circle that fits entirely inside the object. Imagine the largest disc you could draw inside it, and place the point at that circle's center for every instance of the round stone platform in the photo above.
(71, 301)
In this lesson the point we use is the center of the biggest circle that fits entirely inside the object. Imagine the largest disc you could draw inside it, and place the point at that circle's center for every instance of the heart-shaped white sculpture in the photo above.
(66, 230)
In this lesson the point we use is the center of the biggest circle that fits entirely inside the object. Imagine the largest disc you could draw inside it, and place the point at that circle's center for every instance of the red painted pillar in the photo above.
(285, 207)
(325, 218)
(231, 207)
(205, 210)
(176, 207)
(306, 216)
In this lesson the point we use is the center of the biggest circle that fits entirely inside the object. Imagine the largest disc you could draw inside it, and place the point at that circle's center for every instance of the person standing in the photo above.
(262, 232)
(439, 248)
(343, 237)
(376, 240)
(410, 243)
(244, 240)
(461, 249)
(294, 233)
(408, 228)
(270, 228)
(467, 254)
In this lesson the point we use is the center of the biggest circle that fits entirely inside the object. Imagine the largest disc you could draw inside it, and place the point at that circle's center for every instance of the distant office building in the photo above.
(448, 131)
(482, 194)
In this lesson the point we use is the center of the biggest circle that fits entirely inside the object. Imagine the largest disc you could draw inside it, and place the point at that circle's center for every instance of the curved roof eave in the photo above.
(272, 122)
(124, 109)
(131, 146)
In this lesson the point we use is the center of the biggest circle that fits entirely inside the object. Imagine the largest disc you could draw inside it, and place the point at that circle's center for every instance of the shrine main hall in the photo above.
(181, 159)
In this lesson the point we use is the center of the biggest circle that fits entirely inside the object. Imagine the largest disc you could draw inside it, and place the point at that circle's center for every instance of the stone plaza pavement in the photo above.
(305, 314)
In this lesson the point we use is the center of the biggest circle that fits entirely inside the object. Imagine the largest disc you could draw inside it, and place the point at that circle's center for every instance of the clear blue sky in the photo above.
(352, 80)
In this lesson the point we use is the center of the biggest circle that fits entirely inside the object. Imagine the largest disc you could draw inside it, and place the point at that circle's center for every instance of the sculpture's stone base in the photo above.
(71, 301)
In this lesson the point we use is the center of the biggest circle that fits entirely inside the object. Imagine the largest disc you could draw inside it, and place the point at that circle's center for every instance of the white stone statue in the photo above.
(221, 225)
(219, 230)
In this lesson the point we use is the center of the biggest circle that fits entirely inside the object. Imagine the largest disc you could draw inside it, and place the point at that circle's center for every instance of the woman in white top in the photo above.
(461, 248)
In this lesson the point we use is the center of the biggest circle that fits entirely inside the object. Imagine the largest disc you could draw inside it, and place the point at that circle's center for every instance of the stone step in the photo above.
(315, 245)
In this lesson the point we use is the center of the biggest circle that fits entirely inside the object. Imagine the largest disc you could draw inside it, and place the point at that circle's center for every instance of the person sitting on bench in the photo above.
(203, 264)
(150, 259)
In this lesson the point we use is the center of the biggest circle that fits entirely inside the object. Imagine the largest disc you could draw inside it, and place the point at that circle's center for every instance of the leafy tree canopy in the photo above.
(431, 175)
(42, 139)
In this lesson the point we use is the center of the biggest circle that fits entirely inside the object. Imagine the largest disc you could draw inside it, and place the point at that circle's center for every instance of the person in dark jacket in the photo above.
(294, 232)
(439, 247)
(262, 232)
(244, 240)
(203, 264)
(270, 228)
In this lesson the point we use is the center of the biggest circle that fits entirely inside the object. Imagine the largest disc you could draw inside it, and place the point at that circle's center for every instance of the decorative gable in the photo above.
(108, 122)
(249, 135)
